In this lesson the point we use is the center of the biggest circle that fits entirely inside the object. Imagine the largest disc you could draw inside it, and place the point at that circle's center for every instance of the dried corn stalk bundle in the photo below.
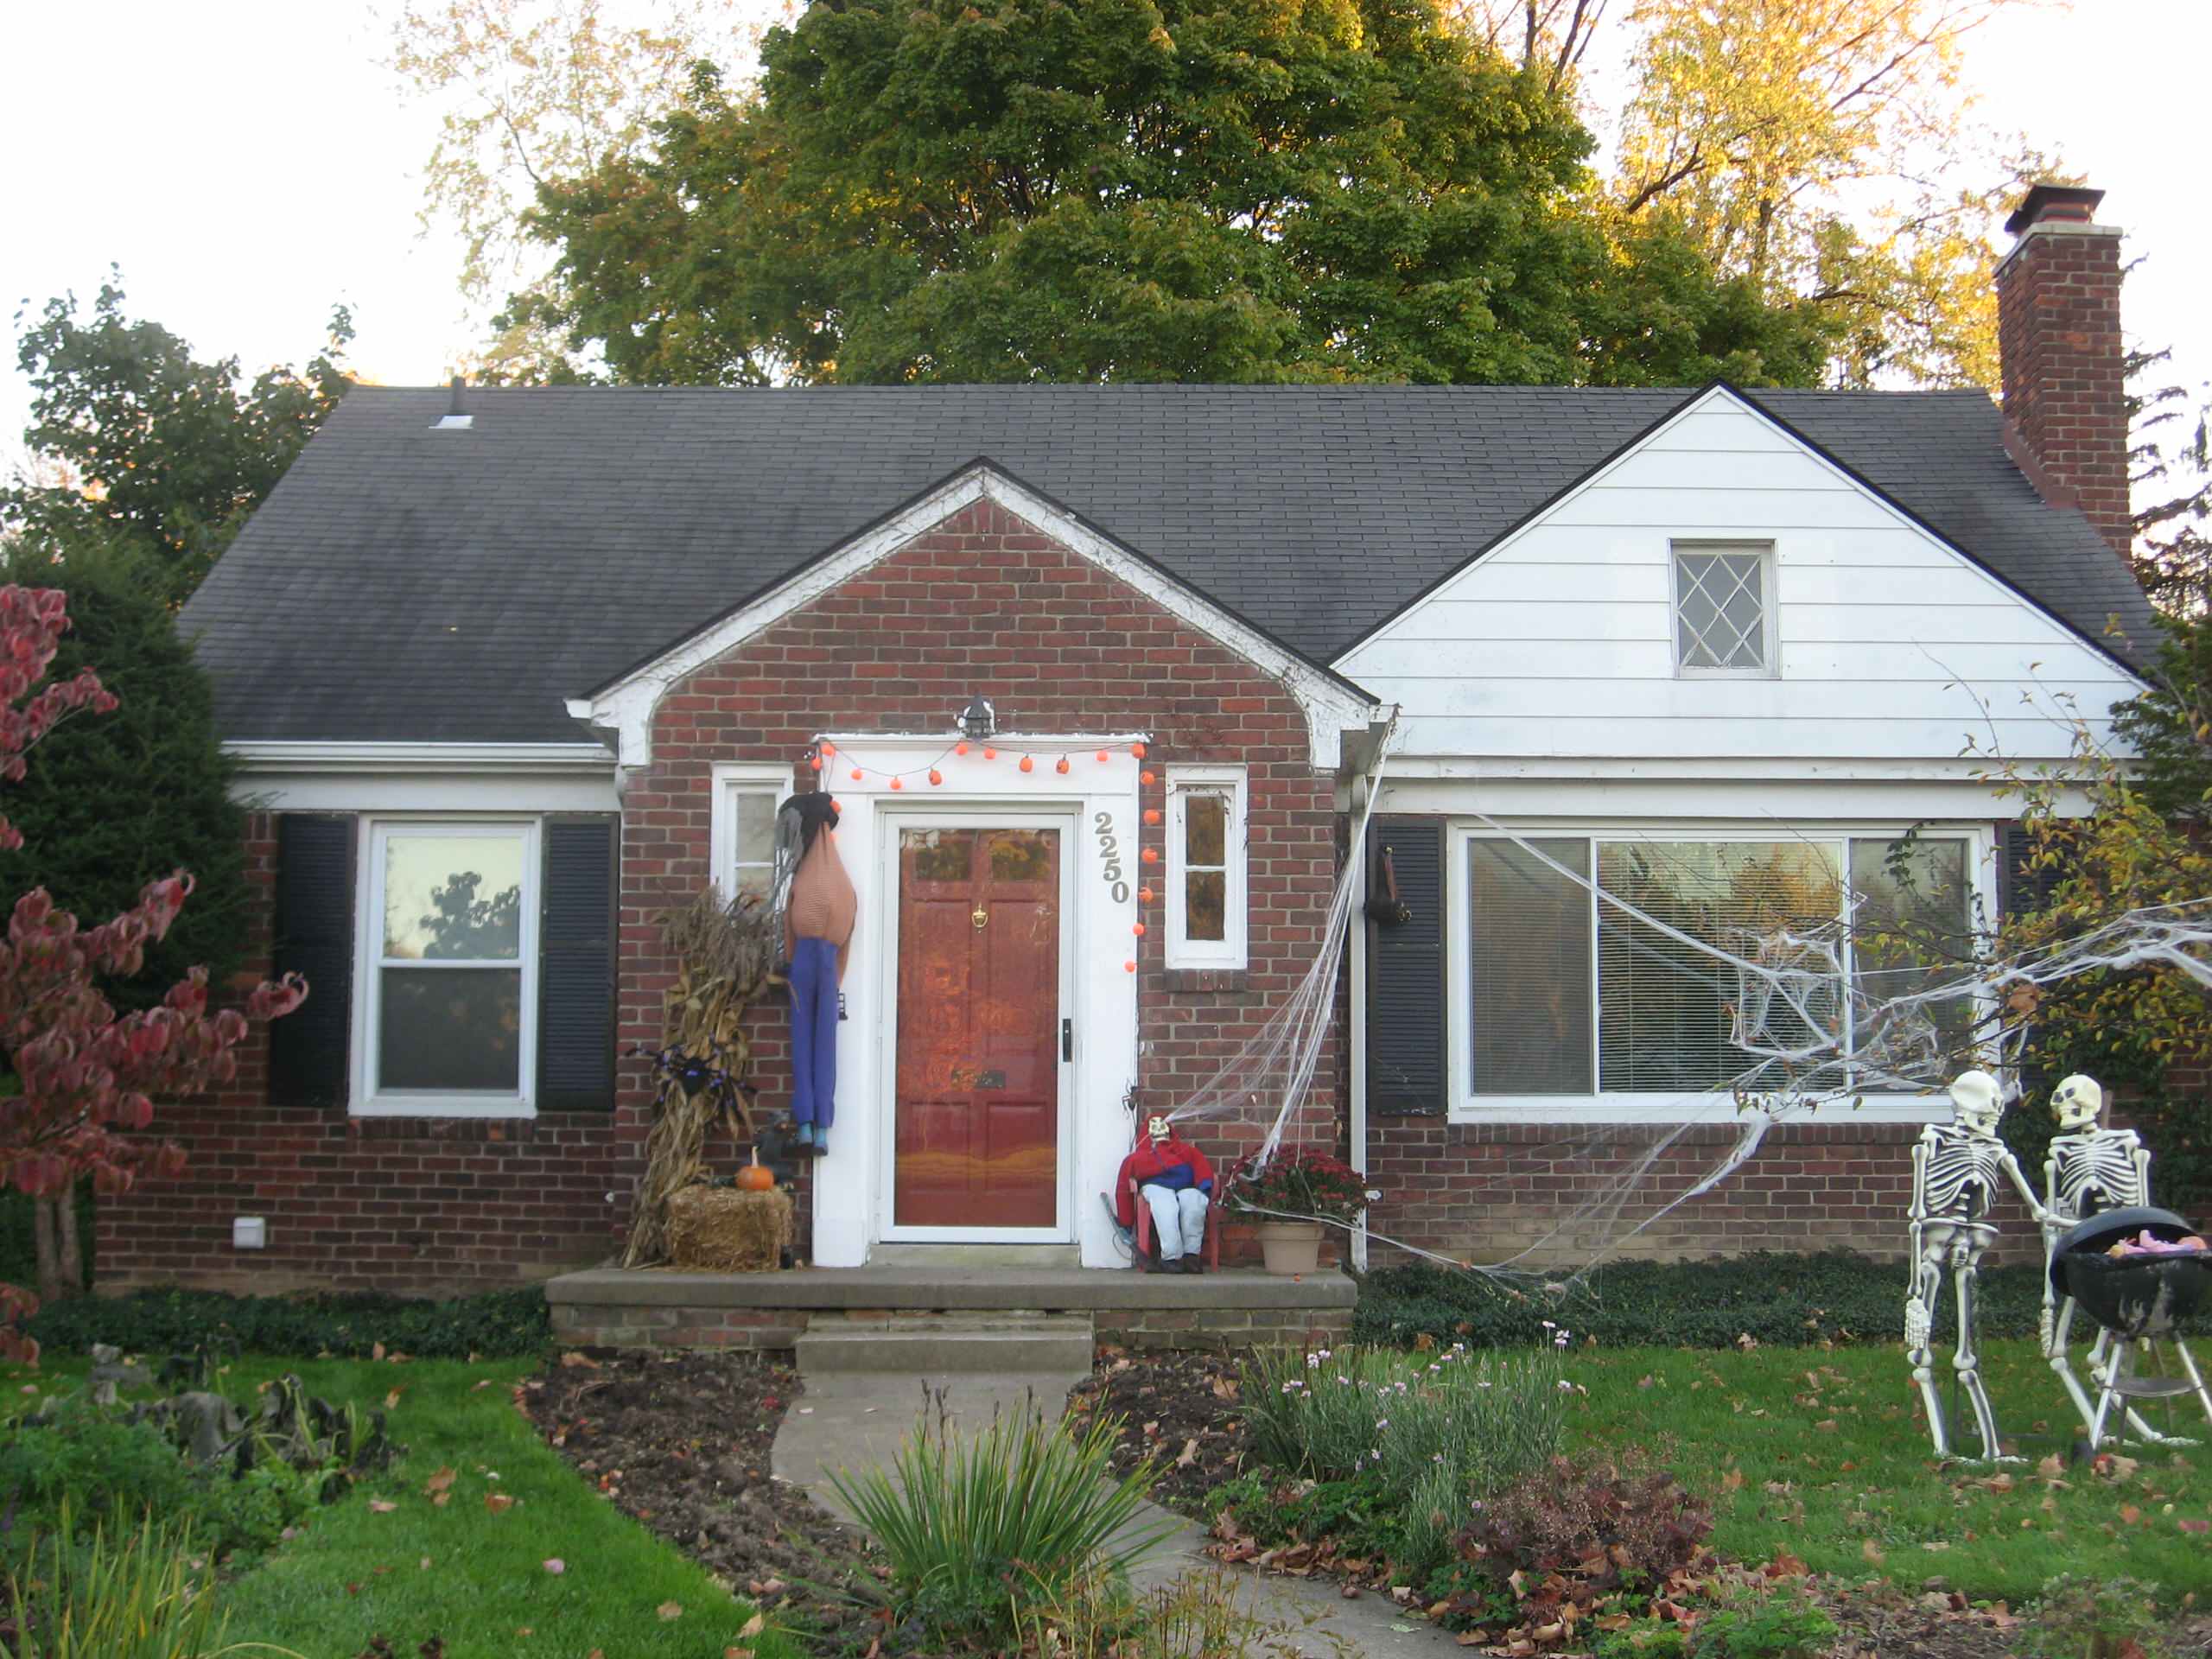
(725, 951)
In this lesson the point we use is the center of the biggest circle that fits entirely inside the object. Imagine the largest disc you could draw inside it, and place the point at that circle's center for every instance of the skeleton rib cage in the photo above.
(1961, 1175)
(2101, 1170)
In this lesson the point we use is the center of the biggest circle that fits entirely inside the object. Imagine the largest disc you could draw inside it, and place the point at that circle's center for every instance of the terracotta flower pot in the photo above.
(1291, 1246)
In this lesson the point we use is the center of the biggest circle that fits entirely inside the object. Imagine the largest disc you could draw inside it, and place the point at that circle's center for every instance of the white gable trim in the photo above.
(626, 707)
(1726, 397)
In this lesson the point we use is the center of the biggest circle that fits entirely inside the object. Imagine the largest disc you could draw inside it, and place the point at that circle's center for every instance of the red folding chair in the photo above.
(1211, 1247)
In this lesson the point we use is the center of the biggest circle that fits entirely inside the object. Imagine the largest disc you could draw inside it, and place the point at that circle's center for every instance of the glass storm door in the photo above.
(976, 1103)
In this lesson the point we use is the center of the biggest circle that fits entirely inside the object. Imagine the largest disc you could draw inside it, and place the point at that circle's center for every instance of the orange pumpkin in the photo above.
(756, 1177)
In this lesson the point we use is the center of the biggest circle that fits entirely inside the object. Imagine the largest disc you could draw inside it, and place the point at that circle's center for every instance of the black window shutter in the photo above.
(2018, 887)
(1405, 979)
(575, 979)
(308, 1048)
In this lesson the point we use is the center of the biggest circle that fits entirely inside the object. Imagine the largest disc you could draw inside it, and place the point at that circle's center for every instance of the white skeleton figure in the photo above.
(2090, 1168)
(1955, 1167)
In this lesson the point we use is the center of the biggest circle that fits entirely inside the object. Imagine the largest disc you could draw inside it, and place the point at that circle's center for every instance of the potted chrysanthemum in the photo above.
(1291, 1196)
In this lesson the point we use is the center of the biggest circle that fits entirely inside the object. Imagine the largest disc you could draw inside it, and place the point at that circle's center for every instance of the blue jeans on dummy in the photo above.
(1178, 1219)
(814, 1033)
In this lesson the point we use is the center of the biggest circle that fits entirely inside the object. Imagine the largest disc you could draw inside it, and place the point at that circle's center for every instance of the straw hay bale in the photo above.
(720, 1230)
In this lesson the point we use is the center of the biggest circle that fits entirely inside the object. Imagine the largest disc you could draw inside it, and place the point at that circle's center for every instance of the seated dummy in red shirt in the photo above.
(1174, 1179)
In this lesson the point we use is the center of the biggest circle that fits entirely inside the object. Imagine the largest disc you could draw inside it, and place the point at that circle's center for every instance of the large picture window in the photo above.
(1565, 994)
(450, 990)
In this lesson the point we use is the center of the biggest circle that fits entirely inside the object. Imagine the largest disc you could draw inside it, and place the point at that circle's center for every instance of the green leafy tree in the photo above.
(1126, 190)
(134, 439)
(2144, 1030)
(2170, 457)
(122, 800)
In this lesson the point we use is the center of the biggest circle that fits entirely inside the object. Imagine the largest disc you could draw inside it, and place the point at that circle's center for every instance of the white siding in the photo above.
(1560, 642)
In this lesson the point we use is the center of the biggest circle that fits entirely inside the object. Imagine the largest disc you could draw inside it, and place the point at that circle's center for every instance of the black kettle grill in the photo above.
(2132, 1296)
(2138, 1300)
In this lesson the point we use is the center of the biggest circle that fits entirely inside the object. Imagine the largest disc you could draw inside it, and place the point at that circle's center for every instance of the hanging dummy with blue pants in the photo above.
(819, 907)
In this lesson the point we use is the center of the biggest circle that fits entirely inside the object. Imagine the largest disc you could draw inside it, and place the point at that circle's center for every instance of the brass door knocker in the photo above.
(981, 917)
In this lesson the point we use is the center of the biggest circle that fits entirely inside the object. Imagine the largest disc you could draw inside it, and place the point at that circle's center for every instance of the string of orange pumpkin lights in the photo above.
(819, 758)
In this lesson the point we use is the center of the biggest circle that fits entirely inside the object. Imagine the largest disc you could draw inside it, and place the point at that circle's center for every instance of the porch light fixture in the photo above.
(979, 720)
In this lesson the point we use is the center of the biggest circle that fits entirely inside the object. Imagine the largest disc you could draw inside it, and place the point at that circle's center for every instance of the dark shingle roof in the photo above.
(404, 583)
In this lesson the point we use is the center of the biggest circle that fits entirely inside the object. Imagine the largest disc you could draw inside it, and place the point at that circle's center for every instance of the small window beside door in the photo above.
(1724, 610)
(1205, 866)
(743, 838)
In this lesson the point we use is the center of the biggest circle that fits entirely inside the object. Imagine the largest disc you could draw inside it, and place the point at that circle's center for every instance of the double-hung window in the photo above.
(1578, 982)
(450, 996)
(1205, 866)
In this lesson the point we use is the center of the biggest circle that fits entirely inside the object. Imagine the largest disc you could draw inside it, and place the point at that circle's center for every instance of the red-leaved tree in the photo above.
(86, 1080)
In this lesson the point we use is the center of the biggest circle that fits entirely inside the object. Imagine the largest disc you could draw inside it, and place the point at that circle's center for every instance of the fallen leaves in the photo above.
(669, 1609)
(439, 1487)
(500, 1503)
(381, 1506)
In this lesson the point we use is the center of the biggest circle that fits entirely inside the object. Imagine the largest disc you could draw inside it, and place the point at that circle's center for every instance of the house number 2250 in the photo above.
(1109, 851)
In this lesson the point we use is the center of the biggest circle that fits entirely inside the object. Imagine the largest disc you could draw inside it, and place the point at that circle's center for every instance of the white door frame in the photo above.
(969, 815)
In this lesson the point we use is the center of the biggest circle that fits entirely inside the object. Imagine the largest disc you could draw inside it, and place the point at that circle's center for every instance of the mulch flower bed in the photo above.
(680, 1441)
(1181, 1407)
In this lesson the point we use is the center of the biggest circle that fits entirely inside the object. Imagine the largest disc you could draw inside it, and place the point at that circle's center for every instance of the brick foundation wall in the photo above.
(987, 603)
(1486, 1193)
(413, 1205)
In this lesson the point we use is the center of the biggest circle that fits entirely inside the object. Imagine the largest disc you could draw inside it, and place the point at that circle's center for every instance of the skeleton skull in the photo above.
(1157, 1127)
(2077, 1101)
(1979, 1100)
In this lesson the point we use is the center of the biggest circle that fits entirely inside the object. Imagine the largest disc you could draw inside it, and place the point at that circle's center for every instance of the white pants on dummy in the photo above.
(1178, 1218)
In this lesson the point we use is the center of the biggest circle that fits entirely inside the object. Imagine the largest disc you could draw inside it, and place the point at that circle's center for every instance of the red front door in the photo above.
(978, 1096)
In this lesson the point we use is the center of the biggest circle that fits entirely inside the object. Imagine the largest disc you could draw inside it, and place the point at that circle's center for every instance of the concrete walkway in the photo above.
(847, 1420)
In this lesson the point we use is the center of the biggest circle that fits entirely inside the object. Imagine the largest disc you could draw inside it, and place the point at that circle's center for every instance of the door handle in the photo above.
(1067, 1039)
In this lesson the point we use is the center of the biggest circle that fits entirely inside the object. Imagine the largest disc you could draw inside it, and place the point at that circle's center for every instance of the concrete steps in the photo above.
(942, 1345)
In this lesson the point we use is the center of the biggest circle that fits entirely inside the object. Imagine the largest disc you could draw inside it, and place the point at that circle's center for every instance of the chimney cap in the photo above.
(2074, 203)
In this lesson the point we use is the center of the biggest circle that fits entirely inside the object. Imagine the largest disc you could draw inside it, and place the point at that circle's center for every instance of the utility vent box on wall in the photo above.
(249, 1233)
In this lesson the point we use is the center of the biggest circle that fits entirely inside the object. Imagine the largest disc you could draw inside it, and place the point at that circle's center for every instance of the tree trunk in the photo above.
(60, 1252)
(49, 1255)
(72, 1248)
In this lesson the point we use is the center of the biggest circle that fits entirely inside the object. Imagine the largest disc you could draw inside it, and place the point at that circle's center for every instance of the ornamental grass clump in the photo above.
(983, 1527)
(1423, 1437)
(147, 1593)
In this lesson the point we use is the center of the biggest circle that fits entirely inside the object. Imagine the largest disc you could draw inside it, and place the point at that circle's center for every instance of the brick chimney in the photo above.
(2059, 345)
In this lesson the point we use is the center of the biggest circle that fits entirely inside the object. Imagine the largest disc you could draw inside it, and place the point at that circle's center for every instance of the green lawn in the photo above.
(1823, 1455)
(464, 1571)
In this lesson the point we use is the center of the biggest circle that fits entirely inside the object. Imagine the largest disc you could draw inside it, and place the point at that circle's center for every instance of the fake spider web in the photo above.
(1809, 1033)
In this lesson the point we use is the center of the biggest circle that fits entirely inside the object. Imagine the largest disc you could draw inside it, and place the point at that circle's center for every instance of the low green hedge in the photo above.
(497, 1325)
(1776, 1299)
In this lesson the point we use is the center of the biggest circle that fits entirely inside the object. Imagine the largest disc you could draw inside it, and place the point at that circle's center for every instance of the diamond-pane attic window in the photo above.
(1724, 611)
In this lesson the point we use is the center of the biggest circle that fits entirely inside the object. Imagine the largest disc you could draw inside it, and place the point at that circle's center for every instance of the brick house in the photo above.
(512, 674)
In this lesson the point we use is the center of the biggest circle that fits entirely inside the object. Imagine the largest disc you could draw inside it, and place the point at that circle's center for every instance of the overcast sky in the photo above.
(247, 164)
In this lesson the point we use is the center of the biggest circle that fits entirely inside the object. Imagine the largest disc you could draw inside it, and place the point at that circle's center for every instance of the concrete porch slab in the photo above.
(1070, 1289)
(650, 1307)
